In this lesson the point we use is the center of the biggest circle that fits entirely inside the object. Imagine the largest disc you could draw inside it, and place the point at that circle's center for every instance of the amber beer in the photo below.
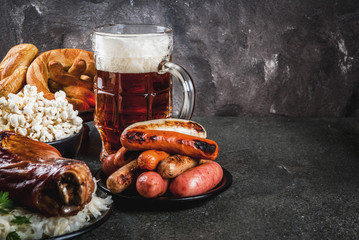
(126, 98)
(133, 81)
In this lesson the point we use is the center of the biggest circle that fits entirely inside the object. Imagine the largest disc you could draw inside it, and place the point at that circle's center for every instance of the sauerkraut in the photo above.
(42, 227)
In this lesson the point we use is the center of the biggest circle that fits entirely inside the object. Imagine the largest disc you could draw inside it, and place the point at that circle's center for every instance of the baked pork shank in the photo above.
(37, 177)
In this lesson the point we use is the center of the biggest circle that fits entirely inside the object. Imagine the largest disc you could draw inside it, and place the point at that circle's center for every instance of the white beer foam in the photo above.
(132, 54)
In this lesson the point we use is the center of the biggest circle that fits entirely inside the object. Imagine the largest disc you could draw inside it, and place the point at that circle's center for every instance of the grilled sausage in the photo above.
(174, 165)
(148, 160)
(123, 178)
(197, 180)
(171, 142)
(107, 165)
(151, 185)
(171, 124)
(115, 161)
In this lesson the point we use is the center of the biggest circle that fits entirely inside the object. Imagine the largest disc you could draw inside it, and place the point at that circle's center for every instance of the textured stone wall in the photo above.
(295, 58)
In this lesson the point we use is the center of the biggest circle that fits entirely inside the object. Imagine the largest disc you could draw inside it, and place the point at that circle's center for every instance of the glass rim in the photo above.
(160, 30)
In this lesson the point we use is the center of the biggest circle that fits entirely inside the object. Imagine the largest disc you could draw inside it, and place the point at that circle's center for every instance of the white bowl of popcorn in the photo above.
(51, 121)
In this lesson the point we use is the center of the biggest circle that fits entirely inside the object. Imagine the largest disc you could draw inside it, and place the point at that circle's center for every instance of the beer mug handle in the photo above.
(186, 81)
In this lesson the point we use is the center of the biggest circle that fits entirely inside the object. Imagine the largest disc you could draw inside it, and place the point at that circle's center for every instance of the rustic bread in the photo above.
(14, 66)
(69, 69)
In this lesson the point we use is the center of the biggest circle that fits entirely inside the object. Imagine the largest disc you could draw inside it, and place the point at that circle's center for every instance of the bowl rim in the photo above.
(64, 139)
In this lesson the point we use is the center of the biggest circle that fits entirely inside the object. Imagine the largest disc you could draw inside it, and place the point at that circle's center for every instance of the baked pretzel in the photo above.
(14, 66)
(69, 69)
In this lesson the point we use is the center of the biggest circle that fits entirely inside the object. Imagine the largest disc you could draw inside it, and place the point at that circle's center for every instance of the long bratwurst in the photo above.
(171, 142)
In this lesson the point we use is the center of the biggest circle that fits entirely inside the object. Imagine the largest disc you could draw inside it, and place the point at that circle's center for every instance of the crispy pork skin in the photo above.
(36, 176)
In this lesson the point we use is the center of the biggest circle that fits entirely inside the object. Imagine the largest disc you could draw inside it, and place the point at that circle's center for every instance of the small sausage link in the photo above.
(148, 160)
(124, 177)
(107, 165)
(173, 166)
(115, 161)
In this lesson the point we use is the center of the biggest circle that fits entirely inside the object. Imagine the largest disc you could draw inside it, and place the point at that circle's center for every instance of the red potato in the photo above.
(148, 160)
(197, 180)
(151, 185)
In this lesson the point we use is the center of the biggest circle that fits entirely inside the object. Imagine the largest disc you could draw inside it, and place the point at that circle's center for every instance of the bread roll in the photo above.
(14, 66)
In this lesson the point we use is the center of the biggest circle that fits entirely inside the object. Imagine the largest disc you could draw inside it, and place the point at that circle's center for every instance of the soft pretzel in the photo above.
(69, 69)
(14, 66)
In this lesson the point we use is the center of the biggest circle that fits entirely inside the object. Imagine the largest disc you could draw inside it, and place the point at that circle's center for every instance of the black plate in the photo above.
(70, 146)
(94, 223)
(133, 196)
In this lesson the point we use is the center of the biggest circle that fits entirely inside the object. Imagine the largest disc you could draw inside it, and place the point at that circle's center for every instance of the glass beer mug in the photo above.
(134, 79)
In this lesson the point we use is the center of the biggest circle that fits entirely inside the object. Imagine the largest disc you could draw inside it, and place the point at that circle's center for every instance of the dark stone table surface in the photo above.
(292, 179)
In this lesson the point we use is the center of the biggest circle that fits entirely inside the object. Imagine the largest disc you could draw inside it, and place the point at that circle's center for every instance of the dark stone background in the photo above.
(294, 58)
